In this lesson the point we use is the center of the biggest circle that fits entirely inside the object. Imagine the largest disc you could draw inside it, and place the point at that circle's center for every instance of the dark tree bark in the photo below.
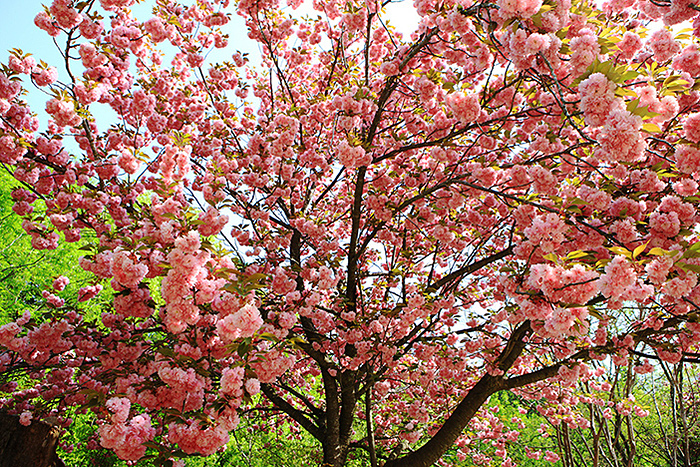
(28, 446)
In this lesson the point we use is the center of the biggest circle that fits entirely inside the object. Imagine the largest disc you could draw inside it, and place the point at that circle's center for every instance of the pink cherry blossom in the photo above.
(242, 323)
(504, 198)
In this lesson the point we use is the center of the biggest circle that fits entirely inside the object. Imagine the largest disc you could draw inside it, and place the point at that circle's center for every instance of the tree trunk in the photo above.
(28, 446)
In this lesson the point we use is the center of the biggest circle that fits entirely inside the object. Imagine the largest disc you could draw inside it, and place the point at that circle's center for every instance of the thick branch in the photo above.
(318, 413)
(514, 347)
(351, 291)
(546, 372)
(469, 269)
(430, 452)
(297, 415)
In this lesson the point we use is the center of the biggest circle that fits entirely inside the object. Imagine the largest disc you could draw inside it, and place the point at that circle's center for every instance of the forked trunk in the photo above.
(334, 456)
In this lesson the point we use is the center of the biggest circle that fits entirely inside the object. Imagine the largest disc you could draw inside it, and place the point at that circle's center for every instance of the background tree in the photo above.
(376, 233)
(24, 271)
(666, 433)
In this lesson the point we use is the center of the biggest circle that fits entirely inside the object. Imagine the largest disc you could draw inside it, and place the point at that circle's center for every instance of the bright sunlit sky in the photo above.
(17, 24)
(17, 27)
(17, 30)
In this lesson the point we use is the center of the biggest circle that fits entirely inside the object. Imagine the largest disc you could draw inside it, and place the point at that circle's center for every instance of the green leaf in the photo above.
(551, 257)
(165, 351)
(666, 174)
(243, 348)
(622, 92)
(618, 250)
(595, 313)
(268, 337)
(632, 105)
(651, 128)
(638, 251)
(297, 341)
(577, 254)
(577, 201)
(233, 288)
(688, 267)
(256, 278)
(629, 74)
(693, 251)
(634, 108)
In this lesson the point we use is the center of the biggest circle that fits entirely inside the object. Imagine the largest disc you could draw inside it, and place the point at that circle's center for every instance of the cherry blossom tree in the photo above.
(369, 233)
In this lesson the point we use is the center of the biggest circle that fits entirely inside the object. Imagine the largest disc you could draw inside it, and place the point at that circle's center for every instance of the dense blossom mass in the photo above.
(368, 232)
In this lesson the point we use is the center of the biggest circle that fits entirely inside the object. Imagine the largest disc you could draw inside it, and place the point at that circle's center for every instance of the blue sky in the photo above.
(17, 27)
(17, 30)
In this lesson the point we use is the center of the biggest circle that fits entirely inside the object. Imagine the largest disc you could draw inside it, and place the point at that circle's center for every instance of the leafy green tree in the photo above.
(26, 272)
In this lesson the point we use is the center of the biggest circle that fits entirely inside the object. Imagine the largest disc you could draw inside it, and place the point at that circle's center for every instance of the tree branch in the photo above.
(297, 415)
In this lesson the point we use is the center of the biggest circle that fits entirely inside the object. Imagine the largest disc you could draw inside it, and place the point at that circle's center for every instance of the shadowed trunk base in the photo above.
(28, 446)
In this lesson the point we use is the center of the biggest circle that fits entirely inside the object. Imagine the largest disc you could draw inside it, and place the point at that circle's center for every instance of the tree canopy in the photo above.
(368, 232)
